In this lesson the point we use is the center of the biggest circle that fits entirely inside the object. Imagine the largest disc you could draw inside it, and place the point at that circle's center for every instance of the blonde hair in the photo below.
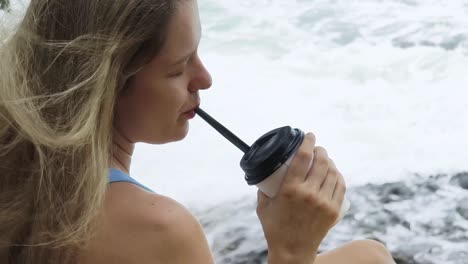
(61, 71)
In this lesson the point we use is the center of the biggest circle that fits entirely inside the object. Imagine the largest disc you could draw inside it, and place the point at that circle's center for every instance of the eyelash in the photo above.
(180, 73)
(177, 74)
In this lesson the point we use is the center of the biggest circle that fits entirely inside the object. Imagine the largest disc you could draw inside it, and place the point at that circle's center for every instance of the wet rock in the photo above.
(422, 220)
(462, 208)
(397, 191)
(460, 179)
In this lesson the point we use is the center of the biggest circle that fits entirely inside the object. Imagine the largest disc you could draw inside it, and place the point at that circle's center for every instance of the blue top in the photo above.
(116, 175)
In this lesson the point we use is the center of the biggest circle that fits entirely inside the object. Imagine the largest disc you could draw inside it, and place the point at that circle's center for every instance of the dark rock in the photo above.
(402, 257)
(397, 191)
(418, 220)
(462, 208)
(453, 42)
(232, 245)
(460, 179)
(404, 44)
(459, 255)
(416, 253)
(427, 43)
(430, 184)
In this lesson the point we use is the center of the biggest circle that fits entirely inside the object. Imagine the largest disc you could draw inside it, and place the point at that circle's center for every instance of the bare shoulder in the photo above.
(142, 227)
(171, 232)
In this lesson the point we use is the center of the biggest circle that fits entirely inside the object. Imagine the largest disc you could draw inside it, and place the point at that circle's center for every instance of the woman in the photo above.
(81, 83)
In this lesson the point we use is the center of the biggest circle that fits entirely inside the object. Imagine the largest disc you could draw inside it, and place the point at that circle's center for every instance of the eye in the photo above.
(181, 72)
(176, 74)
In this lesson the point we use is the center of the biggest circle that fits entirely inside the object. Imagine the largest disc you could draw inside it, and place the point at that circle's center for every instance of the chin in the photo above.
(180, 136)
(183, 132)
(176, 134)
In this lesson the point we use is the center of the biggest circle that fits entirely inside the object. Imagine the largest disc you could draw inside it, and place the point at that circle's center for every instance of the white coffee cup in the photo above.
(268, 159)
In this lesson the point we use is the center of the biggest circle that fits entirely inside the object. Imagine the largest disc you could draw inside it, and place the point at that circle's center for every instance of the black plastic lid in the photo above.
(269, 152)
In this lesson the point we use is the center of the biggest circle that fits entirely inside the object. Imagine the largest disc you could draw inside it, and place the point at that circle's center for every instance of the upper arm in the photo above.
(175, 236)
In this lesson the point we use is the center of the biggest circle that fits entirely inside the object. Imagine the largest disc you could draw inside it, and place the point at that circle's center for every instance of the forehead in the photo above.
(184, 32)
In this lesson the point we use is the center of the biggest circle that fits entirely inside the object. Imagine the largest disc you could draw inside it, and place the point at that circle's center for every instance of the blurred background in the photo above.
(382, 84)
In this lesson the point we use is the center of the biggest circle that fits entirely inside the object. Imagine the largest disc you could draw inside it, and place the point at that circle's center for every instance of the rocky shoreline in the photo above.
(421, 220)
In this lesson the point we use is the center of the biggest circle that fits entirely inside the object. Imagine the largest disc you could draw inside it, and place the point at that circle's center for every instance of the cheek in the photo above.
(164, 101)
(153, 112)
(159, 108)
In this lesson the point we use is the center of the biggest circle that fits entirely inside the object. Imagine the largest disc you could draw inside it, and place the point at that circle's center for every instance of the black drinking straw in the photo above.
(223, 131)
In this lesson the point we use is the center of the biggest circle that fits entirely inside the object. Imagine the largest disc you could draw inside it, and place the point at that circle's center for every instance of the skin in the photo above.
(137, 226)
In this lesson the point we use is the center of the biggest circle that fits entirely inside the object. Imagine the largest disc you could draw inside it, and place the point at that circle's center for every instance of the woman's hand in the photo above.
(305, 208)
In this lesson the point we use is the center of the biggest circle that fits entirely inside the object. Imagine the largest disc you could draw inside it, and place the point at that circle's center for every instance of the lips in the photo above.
(192, 108)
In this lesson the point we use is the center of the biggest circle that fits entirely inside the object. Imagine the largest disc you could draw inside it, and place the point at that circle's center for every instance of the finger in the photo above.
(319, 169)
(299, 166)
(340, 190)
(328, 186)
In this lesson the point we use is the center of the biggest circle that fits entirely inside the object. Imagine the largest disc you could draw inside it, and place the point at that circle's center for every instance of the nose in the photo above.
(201, 79)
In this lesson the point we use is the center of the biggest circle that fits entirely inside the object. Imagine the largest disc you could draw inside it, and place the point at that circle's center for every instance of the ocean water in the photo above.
(383, 84)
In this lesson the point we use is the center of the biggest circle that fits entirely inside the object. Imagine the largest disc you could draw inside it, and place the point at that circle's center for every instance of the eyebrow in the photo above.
(183, 59)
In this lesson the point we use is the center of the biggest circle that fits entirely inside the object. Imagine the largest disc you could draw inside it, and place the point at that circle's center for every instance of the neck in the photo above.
(122, 151)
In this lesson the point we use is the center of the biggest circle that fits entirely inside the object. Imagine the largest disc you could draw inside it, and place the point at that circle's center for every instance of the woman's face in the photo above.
(160, 98)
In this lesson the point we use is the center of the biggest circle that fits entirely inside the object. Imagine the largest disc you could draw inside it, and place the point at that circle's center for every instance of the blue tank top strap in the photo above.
(116, 175)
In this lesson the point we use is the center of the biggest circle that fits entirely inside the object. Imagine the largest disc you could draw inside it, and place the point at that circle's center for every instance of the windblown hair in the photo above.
(61, 70)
